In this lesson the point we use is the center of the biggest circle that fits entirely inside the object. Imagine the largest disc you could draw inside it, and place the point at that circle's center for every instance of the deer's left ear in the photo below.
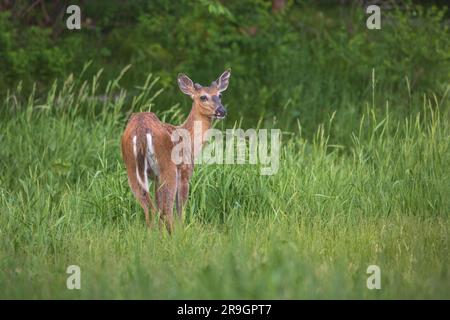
(222, 81)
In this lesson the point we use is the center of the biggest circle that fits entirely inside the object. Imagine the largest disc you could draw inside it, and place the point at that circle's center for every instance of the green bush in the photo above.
(28, 54)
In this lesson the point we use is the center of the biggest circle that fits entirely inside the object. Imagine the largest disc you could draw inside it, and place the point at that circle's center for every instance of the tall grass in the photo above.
(309, 231)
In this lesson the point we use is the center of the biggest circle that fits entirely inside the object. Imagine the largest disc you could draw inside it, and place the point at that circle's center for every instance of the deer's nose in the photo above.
(221, 112)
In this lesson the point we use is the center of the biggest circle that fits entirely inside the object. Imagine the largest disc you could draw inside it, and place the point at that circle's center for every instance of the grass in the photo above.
(310, 231)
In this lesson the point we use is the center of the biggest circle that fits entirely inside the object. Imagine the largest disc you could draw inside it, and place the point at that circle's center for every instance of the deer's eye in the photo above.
(203, 98)
(220, 96)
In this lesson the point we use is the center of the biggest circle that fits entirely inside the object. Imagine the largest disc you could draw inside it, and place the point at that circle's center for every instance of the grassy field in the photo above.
(309, 231)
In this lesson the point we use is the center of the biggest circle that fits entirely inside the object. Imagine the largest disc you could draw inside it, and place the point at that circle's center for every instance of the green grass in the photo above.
(310, 231)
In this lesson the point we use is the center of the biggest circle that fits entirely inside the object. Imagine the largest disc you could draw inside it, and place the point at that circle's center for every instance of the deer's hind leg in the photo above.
(140, 189)
(144, 200)
(165, 192)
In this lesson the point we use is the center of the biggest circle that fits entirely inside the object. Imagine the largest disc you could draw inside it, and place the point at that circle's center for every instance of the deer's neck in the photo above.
(197, 124)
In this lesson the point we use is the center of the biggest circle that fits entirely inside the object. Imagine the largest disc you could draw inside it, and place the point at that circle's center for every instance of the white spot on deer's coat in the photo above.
(143, 184)
(134, 147)
(151, 158)
(150, 143)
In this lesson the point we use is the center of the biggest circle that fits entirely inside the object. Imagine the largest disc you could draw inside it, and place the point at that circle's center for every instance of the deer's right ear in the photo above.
(185, 84)
(222, 82)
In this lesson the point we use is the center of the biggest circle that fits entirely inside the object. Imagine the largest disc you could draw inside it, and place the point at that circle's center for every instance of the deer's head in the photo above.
(208, 99)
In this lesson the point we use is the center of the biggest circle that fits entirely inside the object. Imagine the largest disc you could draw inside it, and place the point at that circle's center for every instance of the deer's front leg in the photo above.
(182, 196)
(184, 174)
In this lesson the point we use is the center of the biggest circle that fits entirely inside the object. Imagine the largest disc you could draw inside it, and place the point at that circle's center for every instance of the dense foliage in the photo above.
(302, 62)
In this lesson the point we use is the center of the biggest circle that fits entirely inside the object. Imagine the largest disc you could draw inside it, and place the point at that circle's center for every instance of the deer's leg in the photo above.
(146, 203)
(182, 192)
(138, 175)
(182, 195)
(165, 196)
(158, 199)
(144, 200)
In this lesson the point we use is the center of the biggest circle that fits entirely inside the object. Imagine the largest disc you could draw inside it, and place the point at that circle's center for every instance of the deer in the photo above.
(147, 145)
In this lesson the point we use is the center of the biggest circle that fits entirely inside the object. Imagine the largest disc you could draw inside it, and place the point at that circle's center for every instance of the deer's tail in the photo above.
(144, 152)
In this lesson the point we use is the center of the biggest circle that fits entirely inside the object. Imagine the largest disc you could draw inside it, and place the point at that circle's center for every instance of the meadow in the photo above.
(364, 174)
(309, 231)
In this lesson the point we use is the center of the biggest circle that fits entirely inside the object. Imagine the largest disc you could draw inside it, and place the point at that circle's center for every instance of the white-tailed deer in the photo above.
(147, 148)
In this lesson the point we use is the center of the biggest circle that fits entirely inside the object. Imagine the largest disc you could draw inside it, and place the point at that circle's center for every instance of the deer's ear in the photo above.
(185, 84)
(222, 81)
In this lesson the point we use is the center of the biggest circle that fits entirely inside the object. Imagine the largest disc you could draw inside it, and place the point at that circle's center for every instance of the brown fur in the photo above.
(167, 188)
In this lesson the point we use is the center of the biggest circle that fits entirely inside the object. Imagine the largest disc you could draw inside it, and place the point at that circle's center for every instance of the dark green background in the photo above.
(297, 64)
